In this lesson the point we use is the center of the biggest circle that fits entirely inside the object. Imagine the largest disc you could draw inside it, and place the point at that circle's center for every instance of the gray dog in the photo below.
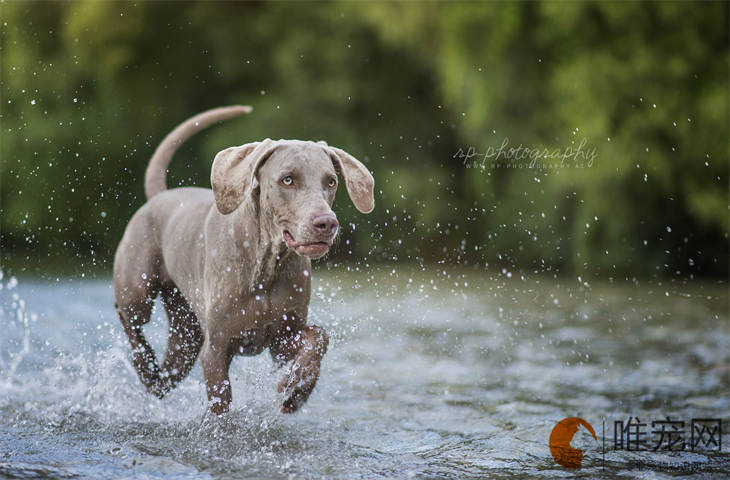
(232, 265)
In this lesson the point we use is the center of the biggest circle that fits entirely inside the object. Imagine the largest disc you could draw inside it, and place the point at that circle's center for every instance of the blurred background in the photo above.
(90, 88)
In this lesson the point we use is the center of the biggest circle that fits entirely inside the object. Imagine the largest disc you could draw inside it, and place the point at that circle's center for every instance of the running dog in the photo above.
(233, 264)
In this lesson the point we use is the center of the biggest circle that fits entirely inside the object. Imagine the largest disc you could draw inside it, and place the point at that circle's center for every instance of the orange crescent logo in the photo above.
(560, 438)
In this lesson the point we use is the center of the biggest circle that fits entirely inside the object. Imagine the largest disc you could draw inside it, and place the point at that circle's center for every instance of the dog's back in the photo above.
(156, 231)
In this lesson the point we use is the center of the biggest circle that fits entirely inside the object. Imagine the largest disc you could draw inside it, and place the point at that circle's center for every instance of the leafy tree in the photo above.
(89, 89)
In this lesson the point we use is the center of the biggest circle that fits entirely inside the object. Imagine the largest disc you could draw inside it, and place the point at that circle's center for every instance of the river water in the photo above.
(431, 373)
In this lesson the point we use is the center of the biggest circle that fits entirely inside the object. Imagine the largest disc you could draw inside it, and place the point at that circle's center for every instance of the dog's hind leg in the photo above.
(136, 284)
(135, 308)
(184, 341)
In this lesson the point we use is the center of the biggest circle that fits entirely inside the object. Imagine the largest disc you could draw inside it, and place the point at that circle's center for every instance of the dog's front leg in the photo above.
(306, 347)
(215, 360)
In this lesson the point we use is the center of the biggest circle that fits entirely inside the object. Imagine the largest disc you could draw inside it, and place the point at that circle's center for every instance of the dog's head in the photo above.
(294, 184)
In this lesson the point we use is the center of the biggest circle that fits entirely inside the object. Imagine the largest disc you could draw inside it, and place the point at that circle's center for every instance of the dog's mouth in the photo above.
(311, 249)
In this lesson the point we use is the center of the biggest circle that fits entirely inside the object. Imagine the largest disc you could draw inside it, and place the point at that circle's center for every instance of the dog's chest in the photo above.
(268, 313)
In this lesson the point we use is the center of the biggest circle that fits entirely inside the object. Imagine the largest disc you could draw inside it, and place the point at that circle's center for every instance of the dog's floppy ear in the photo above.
(359, 182)
(233, 175)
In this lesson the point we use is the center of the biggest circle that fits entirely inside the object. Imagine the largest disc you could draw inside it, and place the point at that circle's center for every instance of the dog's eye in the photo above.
(332, 183)
(287, 180)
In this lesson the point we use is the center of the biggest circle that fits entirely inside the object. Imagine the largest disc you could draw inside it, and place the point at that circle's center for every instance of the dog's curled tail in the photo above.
(155, 176)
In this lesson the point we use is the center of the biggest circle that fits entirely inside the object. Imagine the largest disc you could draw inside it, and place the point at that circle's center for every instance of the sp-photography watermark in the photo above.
(528, 157)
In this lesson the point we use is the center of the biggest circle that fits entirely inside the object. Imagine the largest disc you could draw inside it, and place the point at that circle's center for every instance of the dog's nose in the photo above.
(326, 223)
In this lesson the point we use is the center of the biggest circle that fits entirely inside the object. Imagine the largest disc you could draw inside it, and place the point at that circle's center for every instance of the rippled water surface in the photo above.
(430, 374)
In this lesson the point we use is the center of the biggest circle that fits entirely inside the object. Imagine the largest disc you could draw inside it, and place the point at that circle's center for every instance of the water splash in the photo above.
(465, 383)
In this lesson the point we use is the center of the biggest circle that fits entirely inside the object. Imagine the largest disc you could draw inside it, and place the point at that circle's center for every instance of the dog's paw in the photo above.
(296, 399)
(298, 385)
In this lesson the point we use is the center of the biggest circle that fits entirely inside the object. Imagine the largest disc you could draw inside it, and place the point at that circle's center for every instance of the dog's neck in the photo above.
(270, 256)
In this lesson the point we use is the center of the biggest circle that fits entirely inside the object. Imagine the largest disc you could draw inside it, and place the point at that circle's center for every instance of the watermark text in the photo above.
(522, 156)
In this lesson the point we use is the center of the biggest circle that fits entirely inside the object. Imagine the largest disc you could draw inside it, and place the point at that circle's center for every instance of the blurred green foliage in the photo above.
(89, 89)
